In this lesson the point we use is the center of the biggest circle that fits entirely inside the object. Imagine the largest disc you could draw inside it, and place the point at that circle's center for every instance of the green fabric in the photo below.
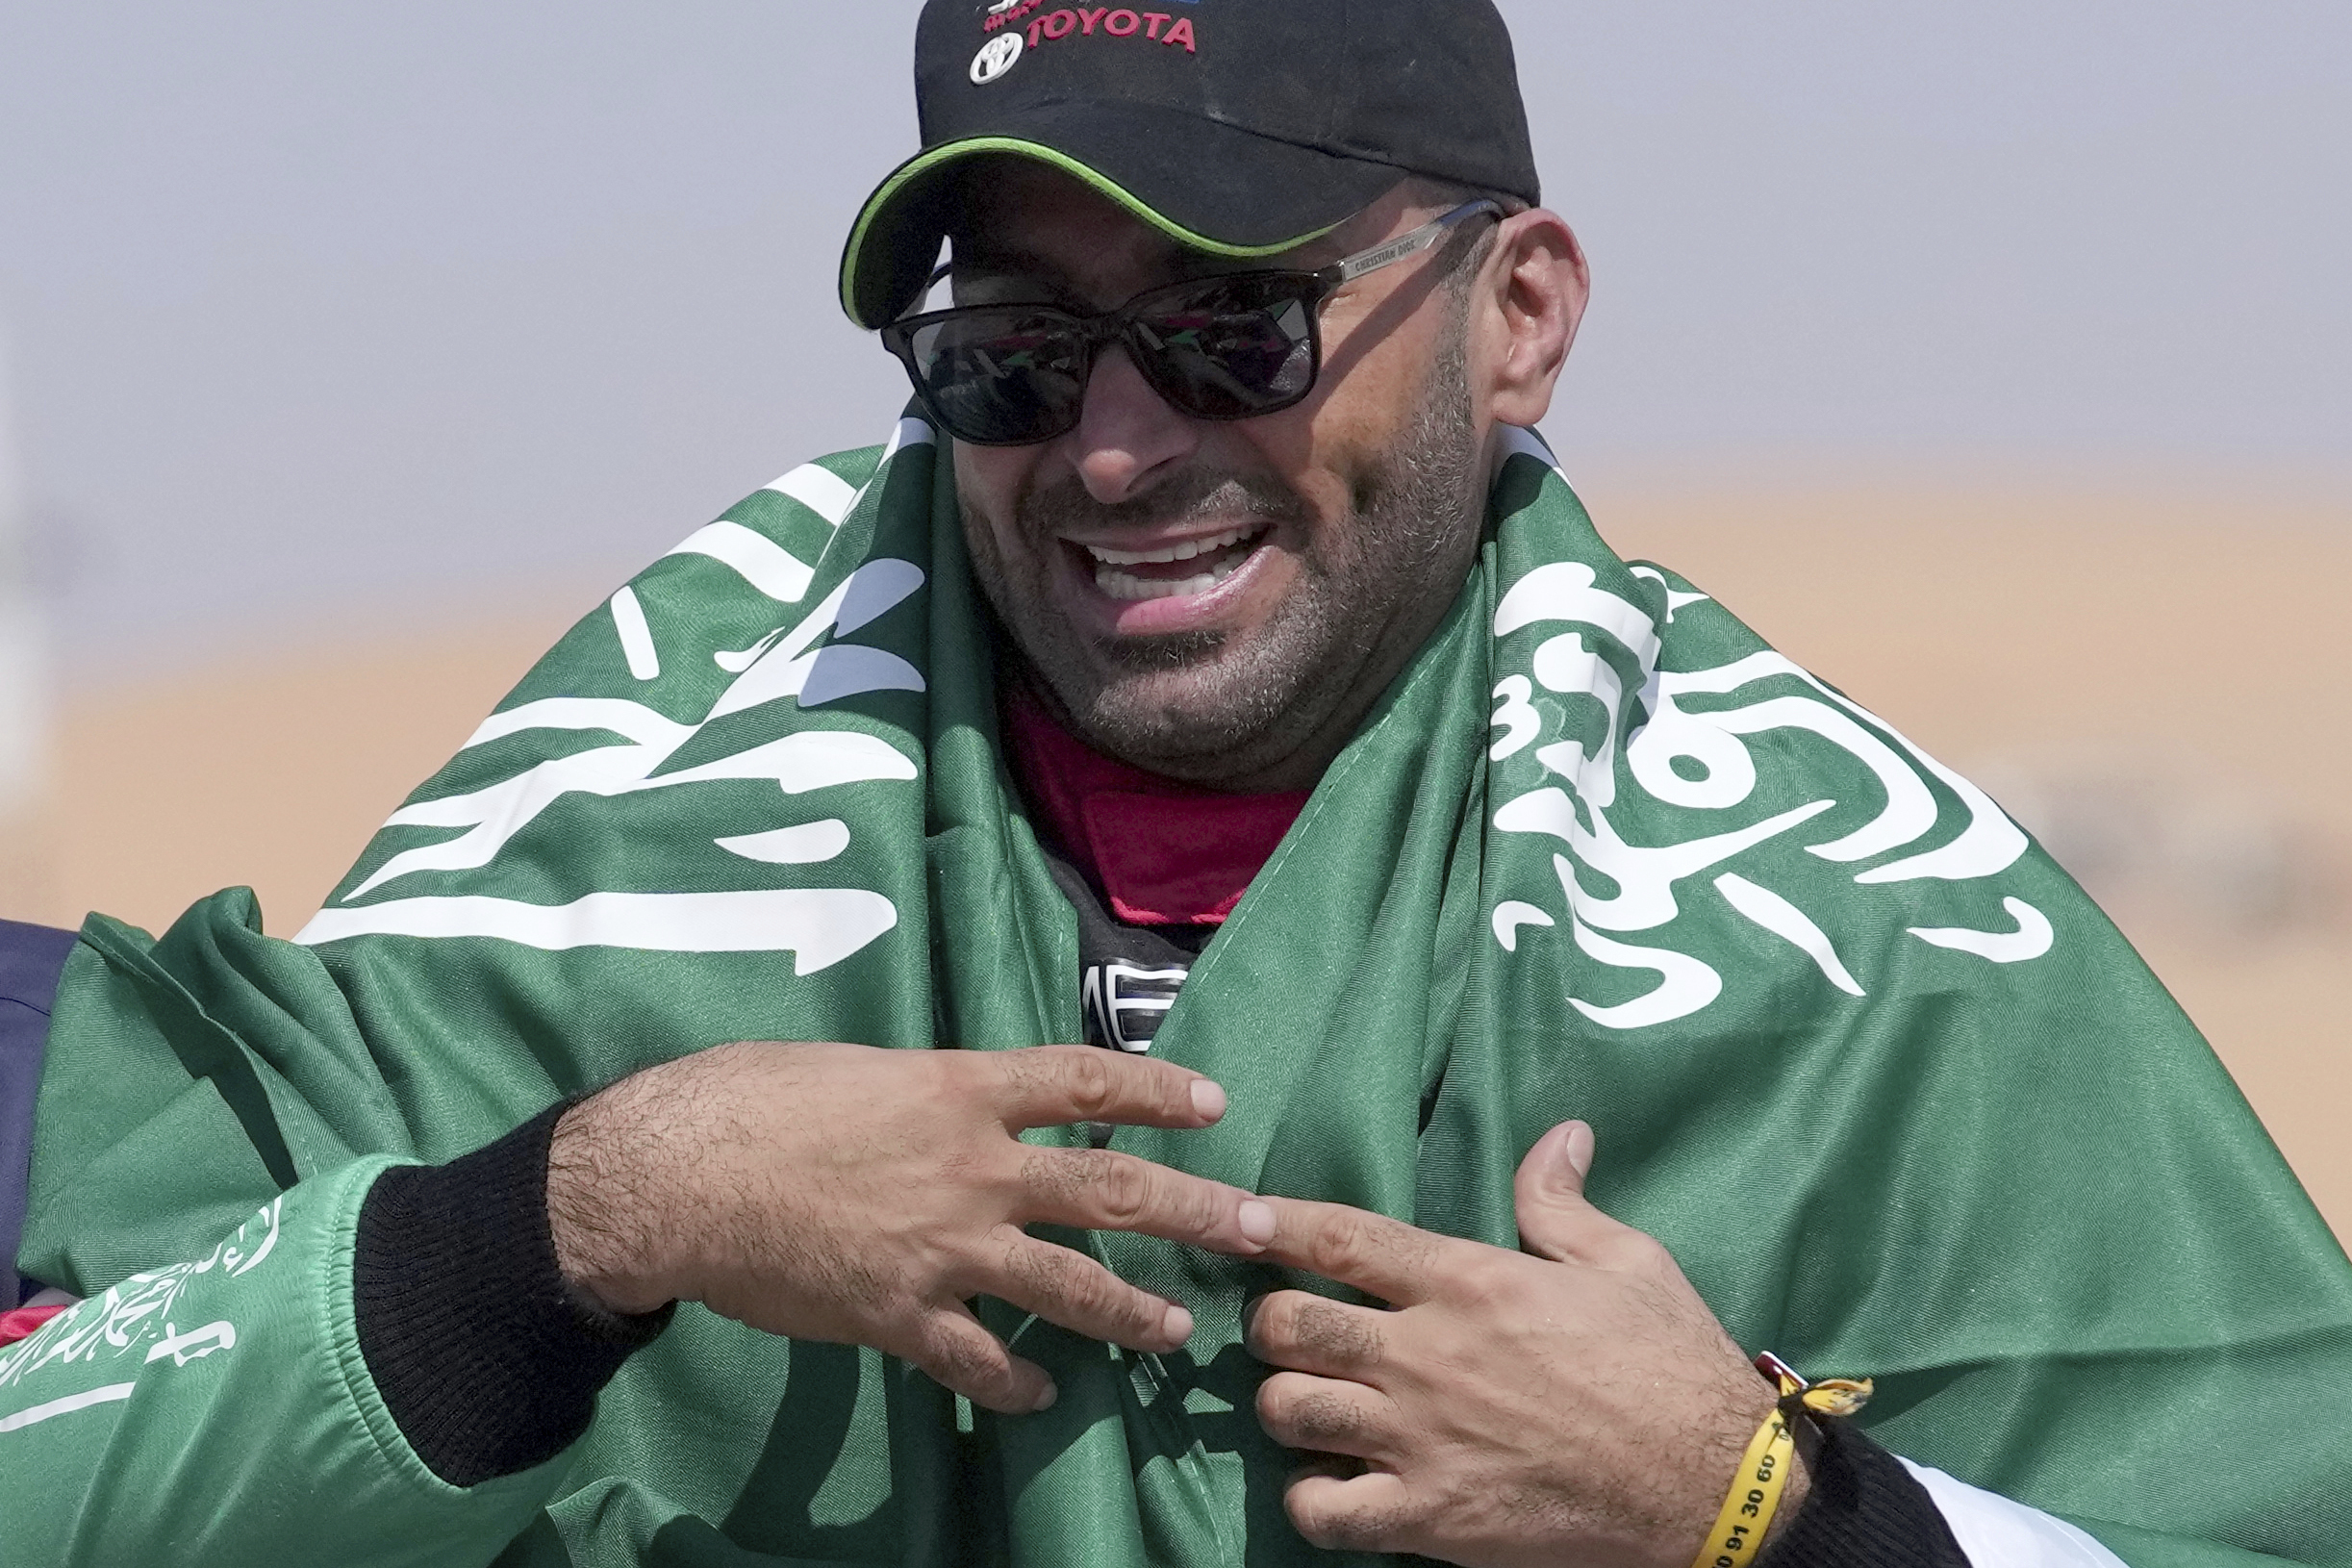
(226, 1417)
(2006, 1179)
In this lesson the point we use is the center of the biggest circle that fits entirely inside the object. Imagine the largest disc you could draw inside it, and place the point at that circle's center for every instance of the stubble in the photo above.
(1216, 707)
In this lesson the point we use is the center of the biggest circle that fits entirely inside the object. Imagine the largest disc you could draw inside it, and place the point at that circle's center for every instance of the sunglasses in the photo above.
(1226, 346)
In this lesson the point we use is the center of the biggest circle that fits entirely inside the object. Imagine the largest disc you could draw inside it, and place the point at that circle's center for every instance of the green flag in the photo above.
(1898, 1099)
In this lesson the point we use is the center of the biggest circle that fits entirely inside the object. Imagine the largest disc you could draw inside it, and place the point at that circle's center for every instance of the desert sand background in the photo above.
(2155, 684)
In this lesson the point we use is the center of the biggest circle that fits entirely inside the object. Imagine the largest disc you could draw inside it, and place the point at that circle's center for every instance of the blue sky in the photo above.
(327, 311)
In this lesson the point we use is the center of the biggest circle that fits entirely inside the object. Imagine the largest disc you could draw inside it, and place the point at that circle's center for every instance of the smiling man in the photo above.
(1516, 999)
(1221, 600)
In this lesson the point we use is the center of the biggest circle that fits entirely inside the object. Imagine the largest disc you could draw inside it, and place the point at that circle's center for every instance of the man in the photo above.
(1217, 668)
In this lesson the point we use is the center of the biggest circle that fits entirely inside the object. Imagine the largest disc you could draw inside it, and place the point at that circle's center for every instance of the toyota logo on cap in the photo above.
(996, 57)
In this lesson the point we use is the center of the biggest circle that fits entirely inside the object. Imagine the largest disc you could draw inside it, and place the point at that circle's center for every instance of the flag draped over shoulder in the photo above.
(1900, 1100)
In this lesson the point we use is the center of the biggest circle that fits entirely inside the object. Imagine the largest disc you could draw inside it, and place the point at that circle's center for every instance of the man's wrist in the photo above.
(1751, 1407)
(1800, 1482)
(488, 1363)
(596, 1214)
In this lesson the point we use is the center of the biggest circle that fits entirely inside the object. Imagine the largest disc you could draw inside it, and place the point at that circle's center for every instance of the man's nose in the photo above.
(1126, 432)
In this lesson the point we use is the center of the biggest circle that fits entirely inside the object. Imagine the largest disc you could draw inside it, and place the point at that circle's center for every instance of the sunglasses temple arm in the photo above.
(930, 283)
(1349, 268)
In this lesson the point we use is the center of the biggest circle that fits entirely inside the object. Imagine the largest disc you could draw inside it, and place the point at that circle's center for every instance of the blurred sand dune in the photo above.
(2159, 690)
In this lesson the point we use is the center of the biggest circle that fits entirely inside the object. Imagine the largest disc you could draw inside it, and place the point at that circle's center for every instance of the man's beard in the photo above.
(1214, 706)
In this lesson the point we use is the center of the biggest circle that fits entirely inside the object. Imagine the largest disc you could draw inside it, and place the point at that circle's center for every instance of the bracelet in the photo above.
(1764, 1469)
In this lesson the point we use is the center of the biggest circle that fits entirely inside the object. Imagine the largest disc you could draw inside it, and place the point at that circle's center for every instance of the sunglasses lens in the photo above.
(1227, 349)
(1217, 349)
(1002, 378)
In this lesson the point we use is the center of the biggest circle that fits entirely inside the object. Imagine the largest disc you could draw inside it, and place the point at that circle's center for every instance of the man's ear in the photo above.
(1530, 297)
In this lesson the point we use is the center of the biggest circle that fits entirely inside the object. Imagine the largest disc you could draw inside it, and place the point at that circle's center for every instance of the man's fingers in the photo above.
(951, 1345)
(1074, 1291)
(1308, 1333)
(1339, 1512)
(1048, 1086)
(1098, 1189)
(1371, 1251)
(1555, 1219)
(1328, 1415)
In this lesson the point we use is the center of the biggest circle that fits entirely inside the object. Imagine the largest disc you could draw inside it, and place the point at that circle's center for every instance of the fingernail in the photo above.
(1256, 1223)
(1177, 1326)
(1579, 1148)
(1045, 1401)
(1208, 1100)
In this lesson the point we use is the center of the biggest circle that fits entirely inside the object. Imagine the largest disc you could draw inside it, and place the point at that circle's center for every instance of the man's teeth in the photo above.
(1116, 584)
(1125, 585)
(1184, 551)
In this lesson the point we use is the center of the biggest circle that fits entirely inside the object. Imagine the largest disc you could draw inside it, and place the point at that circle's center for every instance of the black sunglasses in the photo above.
(1226, 346)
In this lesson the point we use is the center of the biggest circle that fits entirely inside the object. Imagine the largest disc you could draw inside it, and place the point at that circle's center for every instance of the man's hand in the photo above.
(1578, 1405)
(863, 1196)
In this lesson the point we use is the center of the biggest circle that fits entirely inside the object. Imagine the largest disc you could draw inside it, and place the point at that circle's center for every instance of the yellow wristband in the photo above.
(1764, 1469)
(1755, 1496)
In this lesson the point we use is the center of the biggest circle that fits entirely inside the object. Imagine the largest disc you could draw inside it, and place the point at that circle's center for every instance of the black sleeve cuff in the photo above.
(486, 1360)
(1865, 1510)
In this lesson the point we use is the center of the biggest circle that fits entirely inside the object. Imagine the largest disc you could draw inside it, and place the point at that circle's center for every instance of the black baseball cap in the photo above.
(1238, 127)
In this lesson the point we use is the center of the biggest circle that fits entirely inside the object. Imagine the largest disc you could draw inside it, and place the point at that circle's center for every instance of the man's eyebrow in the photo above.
(995, 259)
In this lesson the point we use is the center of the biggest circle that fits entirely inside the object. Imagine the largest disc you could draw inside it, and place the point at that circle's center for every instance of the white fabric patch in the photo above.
(819, 926)
(2031, 938)
(1998, 1533)
(810, 843)
(1786, 920)
(821, 489)
(757, 559)
(635, 637)
(110, 1393)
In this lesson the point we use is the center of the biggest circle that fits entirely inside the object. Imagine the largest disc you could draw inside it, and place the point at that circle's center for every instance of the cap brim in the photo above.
(1208, 186)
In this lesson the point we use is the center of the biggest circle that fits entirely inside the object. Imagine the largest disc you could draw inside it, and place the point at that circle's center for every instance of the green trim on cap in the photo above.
(924, 162)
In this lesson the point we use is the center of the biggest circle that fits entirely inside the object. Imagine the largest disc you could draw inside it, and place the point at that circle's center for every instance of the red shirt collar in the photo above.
(1163, 852)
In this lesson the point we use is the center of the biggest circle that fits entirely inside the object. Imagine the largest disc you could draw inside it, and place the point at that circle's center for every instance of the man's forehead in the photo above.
(1012, 216)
